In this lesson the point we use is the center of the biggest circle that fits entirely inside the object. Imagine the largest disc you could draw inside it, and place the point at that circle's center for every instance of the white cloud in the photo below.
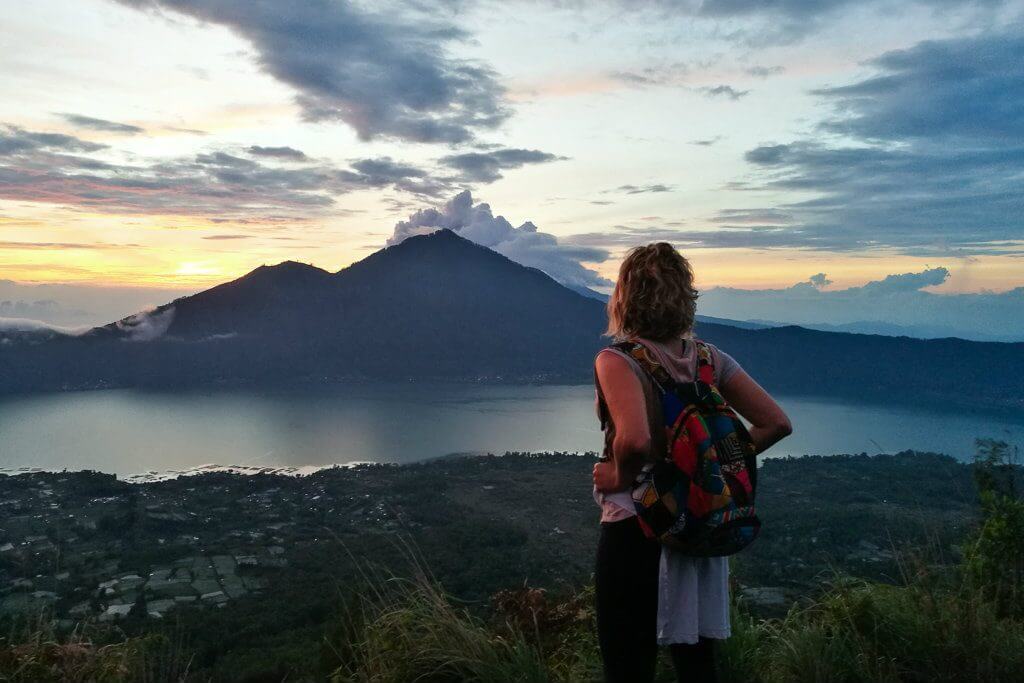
(900, 301)
(30, 325)
(73, 306)
(147, 325)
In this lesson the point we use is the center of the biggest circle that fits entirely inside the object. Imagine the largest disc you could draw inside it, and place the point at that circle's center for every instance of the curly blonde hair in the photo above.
(654, 297)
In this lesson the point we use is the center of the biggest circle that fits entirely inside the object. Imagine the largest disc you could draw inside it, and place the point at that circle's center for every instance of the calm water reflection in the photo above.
(128, 431)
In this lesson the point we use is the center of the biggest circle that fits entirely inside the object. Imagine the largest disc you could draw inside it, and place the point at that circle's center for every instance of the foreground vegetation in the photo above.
(853, 632)
(932, 621)
(35, 653)
(937, 624)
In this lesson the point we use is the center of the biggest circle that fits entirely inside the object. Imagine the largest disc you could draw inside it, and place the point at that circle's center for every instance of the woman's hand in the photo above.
(606, 477)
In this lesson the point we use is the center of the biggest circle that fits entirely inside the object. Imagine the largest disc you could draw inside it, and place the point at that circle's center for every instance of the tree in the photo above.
(995, 558)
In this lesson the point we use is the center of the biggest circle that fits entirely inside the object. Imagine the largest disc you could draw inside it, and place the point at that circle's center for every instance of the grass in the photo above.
(403, 630)
(933, 627)
(33, 652)
(859, 632)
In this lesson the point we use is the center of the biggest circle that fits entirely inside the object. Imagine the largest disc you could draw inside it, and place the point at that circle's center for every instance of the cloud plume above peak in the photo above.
(524, 244)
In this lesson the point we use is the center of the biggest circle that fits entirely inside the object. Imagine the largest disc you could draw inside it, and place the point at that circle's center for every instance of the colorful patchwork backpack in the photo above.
(698, 496)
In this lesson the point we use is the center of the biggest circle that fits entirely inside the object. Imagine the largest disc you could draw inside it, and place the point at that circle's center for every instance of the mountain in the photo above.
(588, 292)
(441, 307)
(745, 324)
(898, 330)
(19, 331)
(434, 306)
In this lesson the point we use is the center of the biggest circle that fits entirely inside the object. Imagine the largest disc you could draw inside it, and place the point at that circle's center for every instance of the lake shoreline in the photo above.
(154, 477)
(132, 432)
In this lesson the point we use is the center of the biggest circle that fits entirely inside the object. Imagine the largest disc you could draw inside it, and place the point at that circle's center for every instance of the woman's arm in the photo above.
(769, 422)
(624, 397)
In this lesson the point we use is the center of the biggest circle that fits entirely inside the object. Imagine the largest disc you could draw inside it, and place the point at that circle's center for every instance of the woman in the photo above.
(647, 595)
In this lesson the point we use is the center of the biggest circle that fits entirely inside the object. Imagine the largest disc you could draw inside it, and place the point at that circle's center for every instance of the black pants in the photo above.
(626, 584)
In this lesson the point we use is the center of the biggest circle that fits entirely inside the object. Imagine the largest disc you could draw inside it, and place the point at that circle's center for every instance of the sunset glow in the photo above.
(179, 146)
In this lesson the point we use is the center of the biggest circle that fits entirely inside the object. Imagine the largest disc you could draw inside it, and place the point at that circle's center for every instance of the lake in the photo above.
(129, 431)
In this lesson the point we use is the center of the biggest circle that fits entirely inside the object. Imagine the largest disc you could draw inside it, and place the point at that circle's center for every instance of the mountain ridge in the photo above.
(438, 306)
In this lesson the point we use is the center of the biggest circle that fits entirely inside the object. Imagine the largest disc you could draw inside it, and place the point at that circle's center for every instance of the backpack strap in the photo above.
(602, 405)
(705, 363)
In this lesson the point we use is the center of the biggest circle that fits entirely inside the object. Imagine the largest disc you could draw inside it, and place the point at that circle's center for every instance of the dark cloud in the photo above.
(900, 301)
(524, 244)
(819, 280)
(286, 153)
(52, 168)
(919, 201)
(764, 71)
(188, 131)
(664, 74)
(635, 77)
(642, 189)
(384, 172)
(760, 23)
(100, 124)
(627, 236)
(225, 160)
(64, 245)
(486, 167)
(786, 21)
(903, 282)
(383, 69)
(706, 142)
(752, 217)
(766, 155)
(268, 219)
(14, 140)
(965, 90)
(936, 163)
(227, 237)
(739, 237)
(724, 91)
(787, 8)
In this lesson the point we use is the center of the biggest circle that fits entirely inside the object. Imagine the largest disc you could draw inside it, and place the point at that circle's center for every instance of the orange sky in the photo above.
(137, 142)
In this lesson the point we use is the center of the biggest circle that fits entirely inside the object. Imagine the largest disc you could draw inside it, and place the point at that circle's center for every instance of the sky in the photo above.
(151, 148)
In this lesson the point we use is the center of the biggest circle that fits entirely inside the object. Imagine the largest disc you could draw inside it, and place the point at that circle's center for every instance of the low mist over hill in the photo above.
(439, 306)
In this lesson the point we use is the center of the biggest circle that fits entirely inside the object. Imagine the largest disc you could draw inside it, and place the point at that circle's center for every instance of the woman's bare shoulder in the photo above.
(610, 357)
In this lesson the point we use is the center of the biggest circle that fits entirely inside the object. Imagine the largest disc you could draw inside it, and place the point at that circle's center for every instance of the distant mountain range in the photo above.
(894, 330)
(855, 327)
(441, 307)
